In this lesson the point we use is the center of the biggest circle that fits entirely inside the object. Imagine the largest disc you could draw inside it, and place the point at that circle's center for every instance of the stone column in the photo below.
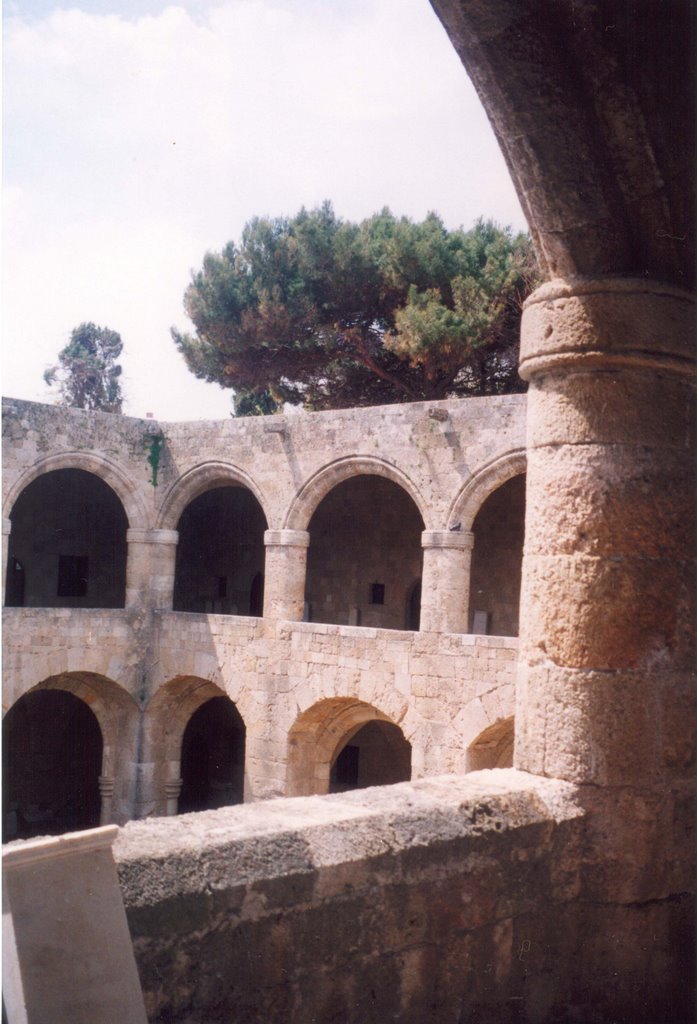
(284, 577)
(150, 568)
(606, 692)
(609, 545)
(6, 530)
(445, 582)
(173, 790)
(163, 564)
(106, 793)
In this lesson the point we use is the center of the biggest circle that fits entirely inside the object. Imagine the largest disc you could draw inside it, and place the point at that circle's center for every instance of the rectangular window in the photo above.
(72, 575)
(377, 593)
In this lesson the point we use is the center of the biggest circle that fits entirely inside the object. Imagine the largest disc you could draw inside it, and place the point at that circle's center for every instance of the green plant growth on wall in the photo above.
(154, 444)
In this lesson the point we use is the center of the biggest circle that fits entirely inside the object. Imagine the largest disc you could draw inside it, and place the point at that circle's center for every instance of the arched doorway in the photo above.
(69, 541)
(376, 755)
(52, 759)
(365, 552)
(497, 559)
(220, 554)
(212, 757)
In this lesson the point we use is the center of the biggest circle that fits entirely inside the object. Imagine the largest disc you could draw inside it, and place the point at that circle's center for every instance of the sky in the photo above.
(138, 135)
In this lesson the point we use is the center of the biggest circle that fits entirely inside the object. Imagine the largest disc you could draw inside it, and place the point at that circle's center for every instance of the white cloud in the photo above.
(136, 144)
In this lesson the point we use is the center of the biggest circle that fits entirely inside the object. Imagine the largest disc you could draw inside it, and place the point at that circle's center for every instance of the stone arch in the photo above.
(116, 478)
(365, 551)
(196, 482)
(167, 716)
(484, 482)
(117, 715)
(316, 736)
(603, 194)
(493, 747)
(69, 531)
(325, 480)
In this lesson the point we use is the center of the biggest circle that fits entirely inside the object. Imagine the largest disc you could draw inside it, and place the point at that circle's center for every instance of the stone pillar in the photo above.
(606, 690)
(6, 530)
(106, 793)
(173, 790)
(150, 568)
(284, 577)
(445, 583)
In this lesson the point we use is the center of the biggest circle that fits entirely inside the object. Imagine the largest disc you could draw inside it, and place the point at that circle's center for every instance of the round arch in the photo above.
(116, 478)
(196, 482)
(114, 708)
(484, 482)
(493, 747)
(315, 737)
(117, 716)
(326, 479)
(167, 716)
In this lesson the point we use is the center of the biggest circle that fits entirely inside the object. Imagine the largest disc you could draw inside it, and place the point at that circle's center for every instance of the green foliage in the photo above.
(87, 373)
(324, 313)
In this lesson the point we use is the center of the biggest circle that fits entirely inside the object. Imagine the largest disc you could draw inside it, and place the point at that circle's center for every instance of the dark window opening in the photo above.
(14, 594)
(256, 595)
(377, 593)
(69, 535)
(220, 551)
(72, 575)
(414, 607)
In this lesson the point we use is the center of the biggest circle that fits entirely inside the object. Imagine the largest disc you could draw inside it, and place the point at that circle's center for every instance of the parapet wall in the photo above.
(446, 900)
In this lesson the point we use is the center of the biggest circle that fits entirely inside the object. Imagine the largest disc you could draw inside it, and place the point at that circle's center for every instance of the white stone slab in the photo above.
(68, 955)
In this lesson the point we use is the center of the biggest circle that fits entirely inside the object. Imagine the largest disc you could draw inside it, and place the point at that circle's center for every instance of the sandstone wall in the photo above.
(451, 899)
(367, 483)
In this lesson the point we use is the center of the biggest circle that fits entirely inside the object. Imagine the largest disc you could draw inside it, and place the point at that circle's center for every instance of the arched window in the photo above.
(497, 559)
(365, 552)
(221, 553)
(69, 538)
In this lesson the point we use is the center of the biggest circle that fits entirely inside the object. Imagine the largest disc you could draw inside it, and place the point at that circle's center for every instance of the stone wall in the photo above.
(372, 496)
(451, 899)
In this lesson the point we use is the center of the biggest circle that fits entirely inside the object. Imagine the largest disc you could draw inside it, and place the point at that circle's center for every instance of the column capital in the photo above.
(137, 536)
(595, 323)
(461, 541)
(287, 538)
(173, 788)
(106, 786)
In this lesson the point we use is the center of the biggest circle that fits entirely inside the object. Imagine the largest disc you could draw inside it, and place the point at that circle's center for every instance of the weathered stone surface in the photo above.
(301, 907)
(70, 949)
